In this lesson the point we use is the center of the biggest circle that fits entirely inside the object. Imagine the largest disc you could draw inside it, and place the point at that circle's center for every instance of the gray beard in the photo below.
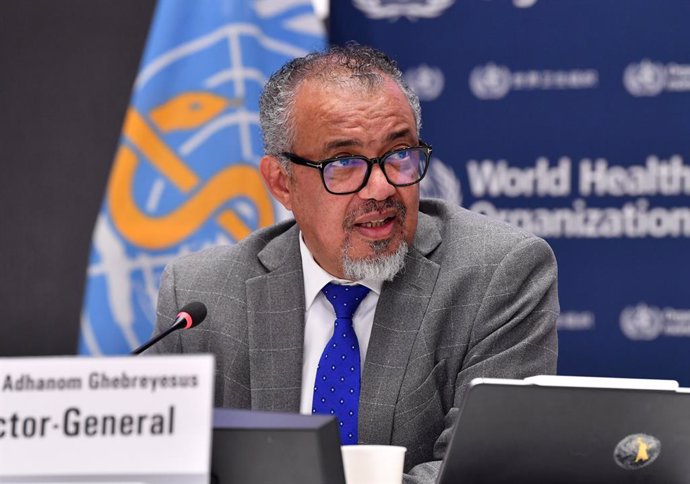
(379, 266)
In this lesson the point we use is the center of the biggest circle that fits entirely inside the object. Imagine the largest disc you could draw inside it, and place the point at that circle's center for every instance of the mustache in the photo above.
(373, 206)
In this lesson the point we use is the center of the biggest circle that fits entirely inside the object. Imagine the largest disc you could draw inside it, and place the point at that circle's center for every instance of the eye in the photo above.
(345, 162)
(401, 154)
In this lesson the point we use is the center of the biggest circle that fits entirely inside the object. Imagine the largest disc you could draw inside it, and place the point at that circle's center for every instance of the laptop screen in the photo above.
(515, 431)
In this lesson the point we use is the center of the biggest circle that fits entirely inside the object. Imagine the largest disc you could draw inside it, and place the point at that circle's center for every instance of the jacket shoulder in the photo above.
(240, 261)
(473, 235)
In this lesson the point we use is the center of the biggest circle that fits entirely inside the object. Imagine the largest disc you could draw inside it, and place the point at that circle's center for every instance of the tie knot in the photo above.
(344, 299)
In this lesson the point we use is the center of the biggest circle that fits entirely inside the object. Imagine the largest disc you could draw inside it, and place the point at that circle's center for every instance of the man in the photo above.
(447, 295)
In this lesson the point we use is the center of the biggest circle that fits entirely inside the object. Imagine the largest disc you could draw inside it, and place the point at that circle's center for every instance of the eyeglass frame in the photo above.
(320, 165)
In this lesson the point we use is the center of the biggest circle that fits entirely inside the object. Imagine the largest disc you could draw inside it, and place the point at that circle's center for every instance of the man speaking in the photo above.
(370, 305)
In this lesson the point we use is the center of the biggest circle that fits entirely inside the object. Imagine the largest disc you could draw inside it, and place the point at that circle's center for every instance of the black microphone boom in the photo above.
(189, 316)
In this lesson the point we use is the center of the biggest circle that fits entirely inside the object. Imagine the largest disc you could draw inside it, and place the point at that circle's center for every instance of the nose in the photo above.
(377, 187)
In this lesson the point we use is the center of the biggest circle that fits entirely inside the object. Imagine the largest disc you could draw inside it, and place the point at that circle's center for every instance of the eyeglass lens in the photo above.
(402, 167)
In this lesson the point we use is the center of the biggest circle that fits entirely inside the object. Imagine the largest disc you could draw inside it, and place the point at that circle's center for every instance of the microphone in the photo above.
(189, 316)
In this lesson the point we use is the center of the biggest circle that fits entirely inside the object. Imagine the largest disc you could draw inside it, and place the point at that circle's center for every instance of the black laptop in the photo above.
(571, 430)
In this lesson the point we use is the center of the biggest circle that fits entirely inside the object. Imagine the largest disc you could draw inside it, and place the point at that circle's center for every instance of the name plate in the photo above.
(129, 419)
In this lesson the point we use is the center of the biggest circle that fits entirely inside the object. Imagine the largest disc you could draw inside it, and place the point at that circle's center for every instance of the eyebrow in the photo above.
(346, 143)
(341, 143)
(398, 134)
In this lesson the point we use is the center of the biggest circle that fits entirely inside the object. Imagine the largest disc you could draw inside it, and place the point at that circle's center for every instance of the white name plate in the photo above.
(124, 419)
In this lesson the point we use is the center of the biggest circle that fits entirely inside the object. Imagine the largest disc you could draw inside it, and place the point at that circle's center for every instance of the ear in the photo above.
(277, 179)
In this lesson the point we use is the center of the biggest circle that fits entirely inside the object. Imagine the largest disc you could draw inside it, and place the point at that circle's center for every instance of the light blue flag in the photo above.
(185, 175)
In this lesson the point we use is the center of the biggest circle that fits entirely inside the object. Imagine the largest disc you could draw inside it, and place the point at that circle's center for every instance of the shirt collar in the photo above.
(315, 277)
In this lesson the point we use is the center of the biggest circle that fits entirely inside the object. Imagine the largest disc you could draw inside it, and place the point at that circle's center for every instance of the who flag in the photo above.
(185, 175)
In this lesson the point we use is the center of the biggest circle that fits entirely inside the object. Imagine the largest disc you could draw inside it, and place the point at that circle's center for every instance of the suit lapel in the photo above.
(275, 311)
(398, 317)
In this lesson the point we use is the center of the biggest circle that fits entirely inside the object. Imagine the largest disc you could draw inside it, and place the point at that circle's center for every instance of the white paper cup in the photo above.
(373, 464)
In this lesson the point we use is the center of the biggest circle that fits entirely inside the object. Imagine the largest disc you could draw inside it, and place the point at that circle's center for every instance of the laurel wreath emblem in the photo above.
(375, 9)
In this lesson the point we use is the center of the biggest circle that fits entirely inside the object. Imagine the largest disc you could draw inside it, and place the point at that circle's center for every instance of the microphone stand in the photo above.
(154, 340)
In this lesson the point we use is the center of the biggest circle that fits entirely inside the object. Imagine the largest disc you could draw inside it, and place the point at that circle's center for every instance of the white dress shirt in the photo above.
(319, 320)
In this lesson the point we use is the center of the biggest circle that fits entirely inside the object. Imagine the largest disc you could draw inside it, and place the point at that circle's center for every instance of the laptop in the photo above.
(570, 430)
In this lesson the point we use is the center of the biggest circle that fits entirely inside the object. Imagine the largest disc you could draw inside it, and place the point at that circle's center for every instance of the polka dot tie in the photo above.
(336, 390)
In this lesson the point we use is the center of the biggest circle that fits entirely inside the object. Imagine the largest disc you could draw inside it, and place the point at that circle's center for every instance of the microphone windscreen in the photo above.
(196, 311)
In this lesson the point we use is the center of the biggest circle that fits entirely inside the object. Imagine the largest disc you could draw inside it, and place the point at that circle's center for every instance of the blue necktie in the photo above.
(336, 390)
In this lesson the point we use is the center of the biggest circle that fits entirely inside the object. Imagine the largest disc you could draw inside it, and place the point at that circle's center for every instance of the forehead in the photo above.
(350, 112)
(340, 84)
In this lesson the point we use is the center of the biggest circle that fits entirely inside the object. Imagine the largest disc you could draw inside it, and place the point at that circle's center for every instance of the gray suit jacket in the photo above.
(477, 298)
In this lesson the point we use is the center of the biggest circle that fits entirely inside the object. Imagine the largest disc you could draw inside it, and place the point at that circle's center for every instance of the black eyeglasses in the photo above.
(349, 174)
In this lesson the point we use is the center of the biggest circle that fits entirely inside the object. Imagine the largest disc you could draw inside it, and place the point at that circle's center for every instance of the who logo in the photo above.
(491, 81)
(441, 182)
(185, 175)
(645, 79)
(426, 81)
(642, 322)
(396, 9)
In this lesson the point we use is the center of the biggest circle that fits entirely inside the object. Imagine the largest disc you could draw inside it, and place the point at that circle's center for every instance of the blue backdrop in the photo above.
(570, 118)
